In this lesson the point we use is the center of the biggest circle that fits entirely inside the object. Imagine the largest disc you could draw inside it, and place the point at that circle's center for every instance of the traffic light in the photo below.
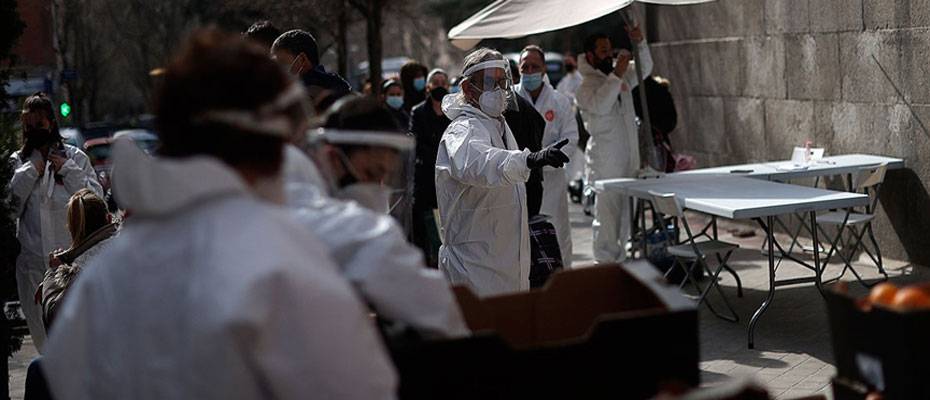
(65, 110)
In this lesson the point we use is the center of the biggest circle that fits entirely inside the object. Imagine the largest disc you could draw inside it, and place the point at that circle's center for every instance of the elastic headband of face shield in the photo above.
(489, 83)
(337, 137)
(278, 118)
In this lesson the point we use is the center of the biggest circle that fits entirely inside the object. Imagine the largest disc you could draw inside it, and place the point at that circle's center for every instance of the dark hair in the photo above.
(410, 71)
(297, 41)
(215, 70)
(263, 32)
(590, 42)
(361, 113)
(40, 103)
(388, 83)
(514, 70)
(534, 48)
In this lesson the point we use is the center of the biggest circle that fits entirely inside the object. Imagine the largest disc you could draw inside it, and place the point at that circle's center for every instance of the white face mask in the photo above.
(372, 196)
(493, 103)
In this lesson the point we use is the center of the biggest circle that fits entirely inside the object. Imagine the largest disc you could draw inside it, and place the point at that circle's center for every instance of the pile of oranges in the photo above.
(906, 298)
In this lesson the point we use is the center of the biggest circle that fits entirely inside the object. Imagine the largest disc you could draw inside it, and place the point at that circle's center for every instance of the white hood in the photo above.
(151, 186)
(455, 105)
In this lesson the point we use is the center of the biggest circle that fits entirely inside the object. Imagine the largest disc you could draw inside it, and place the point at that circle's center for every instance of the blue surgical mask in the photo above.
(419, 84)
(531, 82)
(455, 89)
(395, 102)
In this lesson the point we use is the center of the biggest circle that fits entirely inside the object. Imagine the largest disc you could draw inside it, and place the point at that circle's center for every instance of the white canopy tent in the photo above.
(511, 19)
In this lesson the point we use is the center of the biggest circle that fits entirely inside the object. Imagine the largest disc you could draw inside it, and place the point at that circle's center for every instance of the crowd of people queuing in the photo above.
(249, 256)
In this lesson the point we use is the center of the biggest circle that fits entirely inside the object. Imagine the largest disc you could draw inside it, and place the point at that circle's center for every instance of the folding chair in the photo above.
(696, 252)
(869, 181)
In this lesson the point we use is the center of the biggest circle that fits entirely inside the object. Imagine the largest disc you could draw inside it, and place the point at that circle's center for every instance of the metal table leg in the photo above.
(768, 226)
(818, 269)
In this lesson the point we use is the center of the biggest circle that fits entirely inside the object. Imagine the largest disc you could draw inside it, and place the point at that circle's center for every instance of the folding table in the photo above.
(784, 171)
(735, 197)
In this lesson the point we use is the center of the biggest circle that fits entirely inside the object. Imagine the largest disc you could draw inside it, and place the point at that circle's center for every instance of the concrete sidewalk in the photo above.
(793, 355)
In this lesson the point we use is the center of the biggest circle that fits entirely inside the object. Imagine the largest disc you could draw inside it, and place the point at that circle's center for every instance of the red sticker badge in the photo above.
(550, 115)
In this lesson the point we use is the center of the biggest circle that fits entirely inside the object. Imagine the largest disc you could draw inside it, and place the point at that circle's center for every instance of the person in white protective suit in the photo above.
(211, 291)
(606, 102)
(559, 113)
(567, 87)
(46, 173)
(368, 246)
(480, 178)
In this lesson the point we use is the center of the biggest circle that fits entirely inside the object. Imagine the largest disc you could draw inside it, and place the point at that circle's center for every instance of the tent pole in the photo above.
(653, 159)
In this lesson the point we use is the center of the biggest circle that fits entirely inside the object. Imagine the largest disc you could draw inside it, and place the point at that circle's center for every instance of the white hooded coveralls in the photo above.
(613, 150)
(211, 293)
(559, 114)
(480, 178)
(373, 254)
(41, 207)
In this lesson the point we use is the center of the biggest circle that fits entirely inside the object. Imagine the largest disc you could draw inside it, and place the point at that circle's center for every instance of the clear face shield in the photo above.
(492, 84)
(375, 168)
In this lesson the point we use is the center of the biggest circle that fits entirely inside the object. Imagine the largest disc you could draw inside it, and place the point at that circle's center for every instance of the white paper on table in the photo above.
(791, 166)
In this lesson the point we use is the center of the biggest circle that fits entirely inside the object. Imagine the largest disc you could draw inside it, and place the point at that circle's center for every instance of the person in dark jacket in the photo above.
(528, 128)
(662, 115)
(392, 97)
(297, 51)
(413, 77)
(427, 123)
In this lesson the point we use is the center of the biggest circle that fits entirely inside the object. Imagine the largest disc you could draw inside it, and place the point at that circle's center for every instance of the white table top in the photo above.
(781, 170)
(736, 197)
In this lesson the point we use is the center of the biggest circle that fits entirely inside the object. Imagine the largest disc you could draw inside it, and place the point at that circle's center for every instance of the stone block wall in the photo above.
(754, 78)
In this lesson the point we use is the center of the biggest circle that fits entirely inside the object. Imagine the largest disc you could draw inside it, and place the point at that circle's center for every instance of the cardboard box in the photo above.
(597, 332)
(884, 350)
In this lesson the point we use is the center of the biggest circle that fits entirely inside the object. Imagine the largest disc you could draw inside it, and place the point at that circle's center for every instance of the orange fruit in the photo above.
(883, 294)
(911, 298)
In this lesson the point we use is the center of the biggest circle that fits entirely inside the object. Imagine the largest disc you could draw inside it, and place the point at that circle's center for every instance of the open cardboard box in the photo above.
(881, 349)
(596, 332)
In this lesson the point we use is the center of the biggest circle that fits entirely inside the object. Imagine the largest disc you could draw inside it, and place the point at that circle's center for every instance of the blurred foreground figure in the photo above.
(210, 291)
(360, 156)
(480, 177)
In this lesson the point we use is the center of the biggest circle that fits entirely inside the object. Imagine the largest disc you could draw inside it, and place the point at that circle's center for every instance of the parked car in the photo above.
(144, 138)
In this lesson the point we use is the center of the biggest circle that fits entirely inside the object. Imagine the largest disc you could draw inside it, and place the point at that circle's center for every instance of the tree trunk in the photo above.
(342, 42)
(373, 36)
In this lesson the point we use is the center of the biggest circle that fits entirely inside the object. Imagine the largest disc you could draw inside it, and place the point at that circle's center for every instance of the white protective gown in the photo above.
(613, 150)
(372, 253)
(41, 206)
(568, 86)
(211, 293)
(559, 114)
(480, 188)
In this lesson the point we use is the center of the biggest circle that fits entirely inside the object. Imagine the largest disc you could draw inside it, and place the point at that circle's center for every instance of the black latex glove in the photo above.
(550, 156)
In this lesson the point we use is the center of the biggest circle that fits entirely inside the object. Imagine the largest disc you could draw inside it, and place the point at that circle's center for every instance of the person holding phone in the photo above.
(605, 98)
(47, 173)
